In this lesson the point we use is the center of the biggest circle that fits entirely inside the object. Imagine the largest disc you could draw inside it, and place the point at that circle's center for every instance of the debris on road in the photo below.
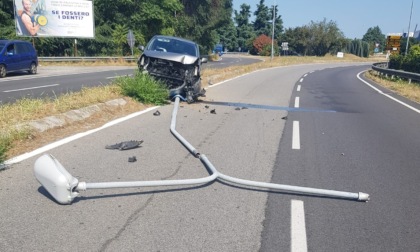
(127, 145)
(132, 159)
(157, 113)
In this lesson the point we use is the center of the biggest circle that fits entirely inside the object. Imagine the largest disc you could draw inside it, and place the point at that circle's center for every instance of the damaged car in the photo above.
(176, 62)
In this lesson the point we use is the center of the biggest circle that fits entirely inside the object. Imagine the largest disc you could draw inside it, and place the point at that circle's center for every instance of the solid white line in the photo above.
(72, 138)
(387, 95)
(296, 136)
(118, 76)
(16, 90)
(298, 88)
(297, 102)
(298, 241)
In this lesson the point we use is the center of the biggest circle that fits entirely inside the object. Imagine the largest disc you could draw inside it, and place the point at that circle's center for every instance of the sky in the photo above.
(353, 17)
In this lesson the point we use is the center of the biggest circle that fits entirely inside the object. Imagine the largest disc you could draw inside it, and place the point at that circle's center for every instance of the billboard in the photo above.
(54, 18)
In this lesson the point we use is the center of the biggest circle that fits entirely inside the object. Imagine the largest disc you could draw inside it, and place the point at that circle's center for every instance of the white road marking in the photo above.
(298, 241)
(387, 95)
(298, 88)
(301, 79)
(114, 77)
(296, 136)
(22, 89)
(305, 75)
(297, 102)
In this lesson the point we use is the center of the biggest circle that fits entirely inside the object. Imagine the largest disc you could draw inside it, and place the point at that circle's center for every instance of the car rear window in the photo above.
(173, 46)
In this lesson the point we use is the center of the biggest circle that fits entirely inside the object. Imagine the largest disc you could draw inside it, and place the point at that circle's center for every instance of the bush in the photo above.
(408, 63)
(262, 45)
(144, 89)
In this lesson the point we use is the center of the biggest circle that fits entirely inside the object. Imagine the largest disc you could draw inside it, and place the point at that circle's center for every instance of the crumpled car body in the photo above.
(177, 63)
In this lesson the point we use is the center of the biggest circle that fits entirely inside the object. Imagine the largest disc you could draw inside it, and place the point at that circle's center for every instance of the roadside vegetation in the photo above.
(399, 86)
(140, 91)
(143, 88)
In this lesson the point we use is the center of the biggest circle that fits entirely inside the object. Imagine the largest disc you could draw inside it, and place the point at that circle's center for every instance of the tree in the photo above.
(244, 29)
(375, 36)
(324, 36)
(119, 36)
(262, 18)
(358, 47)
(298, 39)
(7, 27)
(228, 36)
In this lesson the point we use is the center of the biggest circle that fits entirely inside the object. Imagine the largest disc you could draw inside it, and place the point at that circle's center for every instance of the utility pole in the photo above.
(408, 32)
(272, 34)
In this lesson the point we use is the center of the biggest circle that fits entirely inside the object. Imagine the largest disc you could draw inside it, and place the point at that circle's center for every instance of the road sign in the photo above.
(285, 46)
(393, 44)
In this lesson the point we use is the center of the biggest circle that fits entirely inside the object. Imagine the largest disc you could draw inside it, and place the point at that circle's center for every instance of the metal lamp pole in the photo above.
(408, 32)
(272, 34)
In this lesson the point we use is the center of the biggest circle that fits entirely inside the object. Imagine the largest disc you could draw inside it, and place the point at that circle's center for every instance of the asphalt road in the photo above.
(51, 81)
(351, 138)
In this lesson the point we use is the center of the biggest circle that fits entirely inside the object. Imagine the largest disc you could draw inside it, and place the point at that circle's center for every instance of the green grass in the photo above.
(144, 89)
(4, 146)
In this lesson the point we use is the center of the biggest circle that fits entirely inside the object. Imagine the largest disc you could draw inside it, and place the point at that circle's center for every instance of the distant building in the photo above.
(417, 35)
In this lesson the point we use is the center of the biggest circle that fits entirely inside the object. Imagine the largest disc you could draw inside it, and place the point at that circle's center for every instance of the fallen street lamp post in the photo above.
(63, 187)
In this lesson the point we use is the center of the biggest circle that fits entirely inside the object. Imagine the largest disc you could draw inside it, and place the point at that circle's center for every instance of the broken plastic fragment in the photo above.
(127, 145)
(157, 113)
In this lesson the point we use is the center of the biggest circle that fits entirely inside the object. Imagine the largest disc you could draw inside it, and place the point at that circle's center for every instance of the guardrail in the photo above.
(86, 59)
(382, 67)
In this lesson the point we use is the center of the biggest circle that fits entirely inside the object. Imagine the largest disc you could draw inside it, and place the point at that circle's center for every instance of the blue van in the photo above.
(16, 55)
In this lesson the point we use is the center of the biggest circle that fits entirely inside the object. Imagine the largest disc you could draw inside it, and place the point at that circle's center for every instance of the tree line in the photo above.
(207, 22)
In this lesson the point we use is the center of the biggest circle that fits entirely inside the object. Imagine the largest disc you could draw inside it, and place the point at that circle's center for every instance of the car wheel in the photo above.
(2, 71)
(33, 69)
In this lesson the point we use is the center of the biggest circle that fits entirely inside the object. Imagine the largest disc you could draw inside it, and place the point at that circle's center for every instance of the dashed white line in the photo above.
(298, 88)
(301, 79)
(305, 75)
(297, 102)
(296, 136)
(298, 241)
(22, 89)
